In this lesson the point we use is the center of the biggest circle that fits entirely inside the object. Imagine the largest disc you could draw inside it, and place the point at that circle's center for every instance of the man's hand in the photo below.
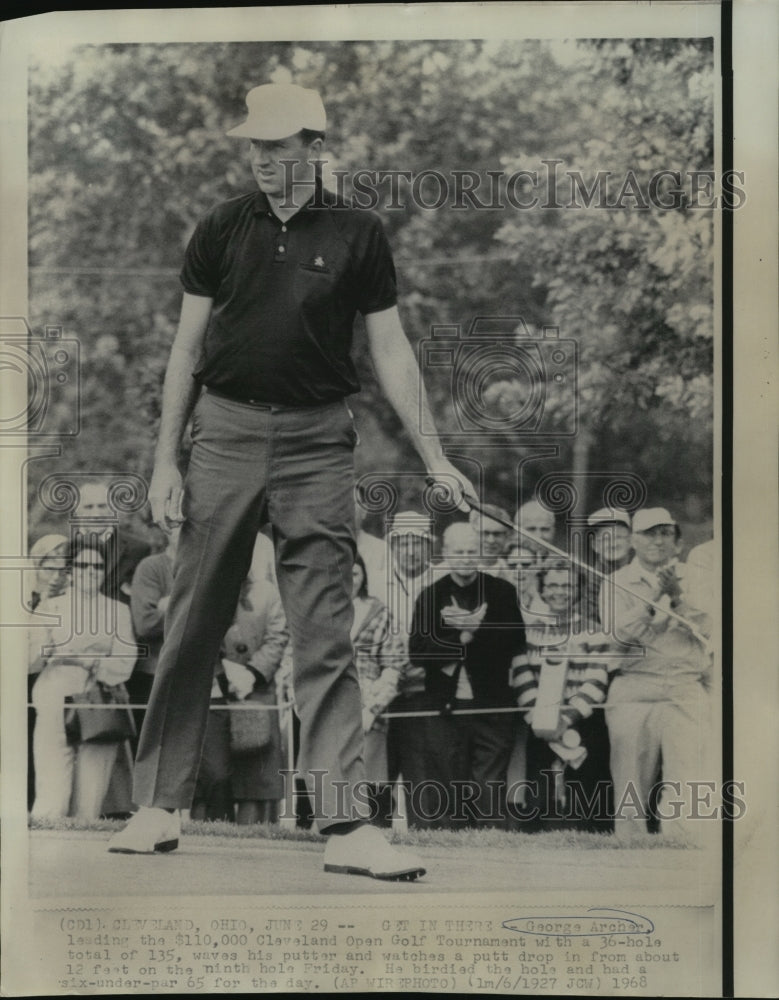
(461, 618)
(466, 621)
(179, 395)
(165, 496)
(669, 583)
(452, 484)
(240, 681)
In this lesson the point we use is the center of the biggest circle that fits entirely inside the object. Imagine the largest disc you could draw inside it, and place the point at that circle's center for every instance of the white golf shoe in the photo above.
(365, 851)
(150, 830)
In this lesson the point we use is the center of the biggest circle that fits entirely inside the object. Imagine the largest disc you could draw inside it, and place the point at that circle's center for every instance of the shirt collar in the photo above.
(471, 583)
(409, 582)
(636, 573)
(321, 197)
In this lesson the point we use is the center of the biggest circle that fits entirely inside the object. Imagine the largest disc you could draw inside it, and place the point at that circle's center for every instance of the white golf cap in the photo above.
(278, 110)
(650, 517)
(609, 515)
(410, 522)
(46, 545)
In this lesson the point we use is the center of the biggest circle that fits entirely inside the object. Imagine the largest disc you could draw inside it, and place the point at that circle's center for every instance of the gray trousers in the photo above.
(656, 720)
(291, 467)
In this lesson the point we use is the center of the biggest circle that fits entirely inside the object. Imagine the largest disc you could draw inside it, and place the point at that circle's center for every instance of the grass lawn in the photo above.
(69, 859)
(481, 839)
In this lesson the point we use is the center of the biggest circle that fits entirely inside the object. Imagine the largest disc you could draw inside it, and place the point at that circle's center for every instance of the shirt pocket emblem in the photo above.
(316, 263)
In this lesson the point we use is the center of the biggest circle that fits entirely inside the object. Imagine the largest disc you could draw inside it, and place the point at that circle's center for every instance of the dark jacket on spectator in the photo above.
(487, 658)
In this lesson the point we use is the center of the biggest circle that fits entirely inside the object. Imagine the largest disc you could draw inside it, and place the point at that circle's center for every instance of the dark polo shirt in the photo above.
(286, 295)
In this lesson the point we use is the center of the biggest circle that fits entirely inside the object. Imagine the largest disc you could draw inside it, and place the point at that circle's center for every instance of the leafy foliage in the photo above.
(127, 149)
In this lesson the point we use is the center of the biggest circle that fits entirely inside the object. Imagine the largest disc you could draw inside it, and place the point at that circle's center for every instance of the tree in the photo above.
(634, 285)
(127, 150)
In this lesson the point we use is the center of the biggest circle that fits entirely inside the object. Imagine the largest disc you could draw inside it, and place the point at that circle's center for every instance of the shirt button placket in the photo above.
(281, 249)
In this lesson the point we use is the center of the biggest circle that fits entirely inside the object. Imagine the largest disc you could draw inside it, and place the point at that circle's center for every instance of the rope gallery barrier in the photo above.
(288, 819)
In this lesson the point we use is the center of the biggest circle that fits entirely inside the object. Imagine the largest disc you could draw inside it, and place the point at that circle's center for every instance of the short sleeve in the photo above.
(200, 272)
(376, 283)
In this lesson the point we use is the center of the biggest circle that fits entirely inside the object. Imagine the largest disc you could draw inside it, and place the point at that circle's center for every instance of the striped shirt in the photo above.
(378, 654)
(586, 680)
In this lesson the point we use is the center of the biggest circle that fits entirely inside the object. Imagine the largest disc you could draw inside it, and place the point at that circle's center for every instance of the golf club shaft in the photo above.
(476, 506)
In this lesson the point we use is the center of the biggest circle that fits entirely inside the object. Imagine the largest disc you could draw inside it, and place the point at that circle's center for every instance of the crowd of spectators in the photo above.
(504, 681)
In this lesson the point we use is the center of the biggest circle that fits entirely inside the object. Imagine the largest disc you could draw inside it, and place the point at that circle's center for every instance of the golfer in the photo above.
(261, 361)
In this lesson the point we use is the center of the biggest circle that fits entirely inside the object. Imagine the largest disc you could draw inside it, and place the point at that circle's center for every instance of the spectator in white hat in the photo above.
(409, 550)
(658, 712)
(607, 549)
(52, 569)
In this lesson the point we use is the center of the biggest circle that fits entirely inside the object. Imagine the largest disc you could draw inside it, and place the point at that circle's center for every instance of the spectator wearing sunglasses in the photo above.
(568, 769)
(522, 565)
(123, 547)
(93, 641)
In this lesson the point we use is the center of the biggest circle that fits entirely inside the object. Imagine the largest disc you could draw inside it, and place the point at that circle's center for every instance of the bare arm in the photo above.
(179, 395)
(399, 376)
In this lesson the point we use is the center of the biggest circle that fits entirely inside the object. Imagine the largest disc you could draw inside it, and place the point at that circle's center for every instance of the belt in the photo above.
(261, 404)
(258, 404)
